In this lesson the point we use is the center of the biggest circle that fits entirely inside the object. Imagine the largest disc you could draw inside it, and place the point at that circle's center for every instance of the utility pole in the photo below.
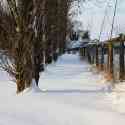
(101, 30)
(110, 50)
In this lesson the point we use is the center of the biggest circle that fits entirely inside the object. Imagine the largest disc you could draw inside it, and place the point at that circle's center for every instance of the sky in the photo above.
(91, 14)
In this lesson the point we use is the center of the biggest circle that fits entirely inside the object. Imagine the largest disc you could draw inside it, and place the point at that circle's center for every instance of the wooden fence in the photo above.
(108, 56)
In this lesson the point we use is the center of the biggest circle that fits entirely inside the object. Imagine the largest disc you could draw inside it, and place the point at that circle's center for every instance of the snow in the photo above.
(77, 43)
(72, 93)
(117, 97)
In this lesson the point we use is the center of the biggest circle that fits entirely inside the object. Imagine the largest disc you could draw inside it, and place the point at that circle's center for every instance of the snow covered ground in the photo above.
(72, 94)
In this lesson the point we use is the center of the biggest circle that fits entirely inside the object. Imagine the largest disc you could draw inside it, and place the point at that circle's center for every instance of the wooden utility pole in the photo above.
(110, 46)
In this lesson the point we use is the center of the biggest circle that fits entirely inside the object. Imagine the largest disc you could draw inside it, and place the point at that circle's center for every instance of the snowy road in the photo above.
(70, 74)
(71, 95)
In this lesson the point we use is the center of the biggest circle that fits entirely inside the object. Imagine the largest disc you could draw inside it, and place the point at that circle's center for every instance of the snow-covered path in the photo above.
(70, 74)
(71, 95)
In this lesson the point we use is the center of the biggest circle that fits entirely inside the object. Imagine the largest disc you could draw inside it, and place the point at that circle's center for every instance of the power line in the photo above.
(113, 20)
(103, 22)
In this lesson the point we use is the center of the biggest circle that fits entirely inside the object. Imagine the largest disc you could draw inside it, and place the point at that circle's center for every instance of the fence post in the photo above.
(97, 56)
(110, 60)
(102, 57)
(121, 61)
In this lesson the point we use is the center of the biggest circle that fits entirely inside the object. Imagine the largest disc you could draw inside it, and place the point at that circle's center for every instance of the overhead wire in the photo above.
(104, 19)
(113, 20)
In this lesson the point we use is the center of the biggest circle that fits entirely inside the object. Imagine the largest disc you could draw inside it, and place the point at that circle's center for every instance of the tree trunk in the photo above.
(20, 82)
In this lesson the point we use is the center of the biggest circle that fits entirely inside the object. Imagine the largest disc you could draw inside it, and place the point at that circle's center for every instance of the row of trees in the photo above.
(32, 34)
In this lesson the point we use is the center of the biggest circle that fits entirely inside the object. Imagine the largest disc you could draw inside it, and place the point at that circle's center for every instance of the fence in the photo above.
(108, 56)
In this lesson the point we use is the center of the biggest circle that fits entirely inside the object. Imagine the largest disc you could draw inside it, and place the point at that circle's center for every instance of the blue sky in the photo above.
(92, 14)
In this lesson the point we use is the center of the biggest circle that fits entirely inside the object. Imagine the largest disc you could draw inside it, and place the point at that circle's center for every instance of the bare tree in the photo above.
(31, 30)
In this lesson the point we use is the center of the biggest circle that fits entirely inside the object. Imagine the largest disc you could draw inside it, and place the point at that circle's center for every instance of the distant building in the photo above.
(78, 39)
